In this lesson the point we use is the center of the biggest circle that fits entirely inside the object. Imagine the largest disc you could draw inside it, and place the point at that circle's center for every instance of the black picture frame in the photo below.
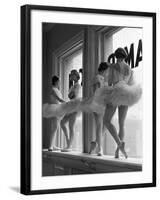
(26, 98)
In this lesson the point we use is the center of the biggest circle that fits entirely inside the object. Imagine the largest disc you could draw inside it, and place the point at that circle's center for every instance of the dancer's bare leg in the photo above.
(122, 113)
(97, 144)
(64, 128)
(99, 134)
(54, 128)
(71, 119)
(109, 112)
(72, 122)
(94, 143)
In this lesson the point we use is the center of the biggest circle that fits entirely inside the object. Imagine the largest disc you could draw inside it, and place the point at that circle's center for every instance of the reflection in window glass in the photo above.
(128, 38)
(69, 63)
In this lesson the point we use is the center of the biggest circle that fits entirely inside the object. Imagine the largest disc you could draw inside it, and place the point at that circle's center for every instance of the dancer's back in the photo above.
(120, 71)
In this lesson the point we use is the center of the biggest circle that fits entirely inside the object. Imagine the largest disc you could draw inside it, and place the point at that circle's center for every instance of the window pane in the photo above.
(73, 61)
(130, 39)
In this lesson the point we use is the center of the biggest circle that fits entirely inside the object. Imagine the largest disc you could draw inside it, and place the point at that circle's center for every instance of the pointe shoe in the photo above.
(100, 152)
(68, 142)
(54, 148)
(66, 150)
(93, 147)
(50, 149)
(117, 153)
(121, 147)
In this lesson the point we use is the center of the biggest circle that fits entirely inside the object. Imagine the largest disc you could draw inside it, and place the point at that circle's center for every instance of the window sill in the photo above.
(91, 163)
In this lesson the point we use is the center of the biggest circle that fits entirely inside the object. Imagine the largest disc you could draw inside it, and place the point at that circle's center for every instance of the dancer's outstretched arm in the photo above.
(57, 97)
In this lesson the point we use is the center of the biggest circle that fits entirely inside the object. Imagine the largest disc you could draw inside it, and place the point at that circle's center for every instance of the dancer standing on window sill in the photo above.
(74, 93)
(122, 92)
(99, 81)
(55, 99)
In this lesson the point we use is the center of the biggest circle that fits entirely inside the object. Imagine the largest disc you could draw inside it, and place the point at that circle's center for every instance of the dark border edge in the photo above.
(154, 97)
(89, 10)
(25, 142)
(25, 100)
(88, 189)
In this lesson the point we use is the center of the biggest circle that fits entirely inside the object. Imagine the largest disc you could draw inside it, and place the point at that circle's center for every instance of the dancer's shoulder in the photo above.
(126, 69)
(76, 86)
(56, 91)
(122, 68)
(98, 78)
(115, 66)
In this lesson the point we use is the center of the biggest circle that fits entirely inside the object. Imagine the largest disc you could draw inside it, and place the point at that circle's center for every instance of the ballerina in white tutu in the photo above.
(122, 92)
(74, 93)
(99, 81)
(55, 99)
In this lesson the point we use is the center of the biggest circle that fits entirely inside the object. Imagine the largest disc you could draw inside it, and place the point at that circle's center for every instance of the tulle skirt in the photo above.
(119, 94)
(59, 110)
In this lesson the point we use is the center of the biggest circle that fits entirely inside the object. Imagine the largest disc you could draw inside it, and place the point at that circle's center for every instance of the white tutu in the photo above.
(59, 110)
(119, 94)
(76, 105)
(90, 105)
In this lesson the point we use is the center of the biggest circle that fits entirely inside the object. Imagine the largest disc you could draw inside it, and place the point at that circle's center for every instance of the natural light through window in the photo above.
(130, 39)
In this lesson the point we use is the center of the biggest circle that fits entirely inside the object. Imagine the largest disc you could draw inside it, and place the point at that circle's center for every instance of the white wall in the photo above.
(10, 100)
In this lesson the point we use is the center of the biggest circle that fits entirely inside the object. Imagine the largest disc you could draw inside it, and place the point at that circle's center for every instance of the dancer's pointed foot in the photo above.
(68, 142)
(122, 149)
(54, 148)
(117, 153)
(99, 151)
(66, 150)
(93, 147)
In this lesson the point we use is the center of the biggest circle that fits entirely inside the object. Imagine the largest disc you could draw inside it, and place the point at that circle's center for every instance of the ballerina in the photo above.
(99, 81)
(74, 93)
(124, 92)
(55, 99)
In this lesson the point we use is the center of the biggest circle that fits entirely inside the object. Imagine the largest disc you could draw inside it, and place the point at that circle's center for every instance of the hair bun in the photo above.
(120, 53)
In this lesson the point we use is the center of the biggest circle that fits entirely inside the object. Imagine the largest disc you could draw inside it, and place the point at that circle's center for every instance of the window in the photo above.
(67, 57)
(68, 63)
(131, 40)
(99, 45)
(71, 57)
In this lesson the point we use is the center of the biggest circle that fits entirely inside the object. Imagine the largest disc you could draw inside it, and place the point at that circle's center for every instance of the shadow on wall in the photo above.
(15, 189)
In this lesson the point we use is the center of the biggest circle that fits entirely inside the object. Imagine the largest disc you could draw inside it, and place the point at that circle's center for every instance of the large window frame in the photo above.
(89, 39)
(104, 34)
(67, 49)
